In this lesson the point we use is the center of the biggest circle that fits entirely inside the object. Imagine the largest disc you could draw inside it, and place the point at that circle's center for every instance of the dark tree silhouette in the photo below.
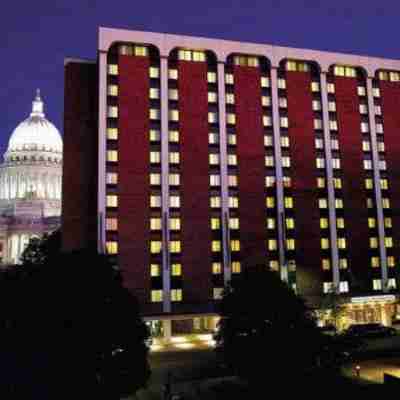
(69, 328)
(266, 332)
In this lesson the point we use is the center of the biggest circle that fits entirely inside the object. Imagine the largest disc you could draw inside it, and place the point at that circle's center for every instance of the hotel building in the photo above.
(189, 159)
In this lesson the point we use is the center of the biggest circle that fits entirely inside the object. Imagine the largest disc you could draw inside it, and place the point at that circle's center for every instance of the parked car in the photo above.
(370, 331)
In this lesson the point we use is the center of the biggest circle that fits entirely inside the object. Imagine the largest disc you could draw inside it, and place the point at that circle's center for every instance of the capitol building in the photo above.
(30, 183)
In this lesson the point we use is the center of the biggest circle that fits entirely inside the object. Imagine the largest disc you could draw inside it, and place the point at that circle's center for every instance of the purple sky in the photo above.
(36, 36)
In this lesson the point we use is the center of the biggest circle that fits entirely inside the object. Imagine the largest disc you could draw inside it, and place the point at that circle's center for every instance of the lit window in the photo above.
(392, 283)
(215, 202)
(112, 200)
(217, 293)
(112, 178)
(269, 161)
(388, 242)
(375, 262)
(382, 165)
(271, 223)
(155, 270)
(323, 223)
(236, 267)
(155, 179)
(328, 287)
(233, 202)
(174, 157)
(155, 201)
(213, 159)
(322, 203)
(155, 247)
(231, 118)
(173, 74)
(366, 145)
(216, 268)
(246, 61)
(155, 135)
(267, 120)
(234, 223)
(112, 69)
(330, 88)
(156, 296)
(175, 246)
(343, 263)
(337, 183)
(394, 76)
(215, 180)
(289, 223)
(377, 284)
(212, 97)
(141, 51)
(274, 265)
(112, 133)
(390, 261)
(388, 222)
(284, 122)
(335, 144)
(232, 180)
(370, 203)
(173, 115)
(286, 162)
(174, 201)
(340, 223)
(211, 77)
(282, 102)
(174, 179)
(232, 159)
(111, 224)
(232, 139)
(288, 202)
(264, 82)
(332, 106)
(320, 162)
(176, 294)
(112, 155)
(378, 110)
(364, 127)
(367, 164)
(361, 91)
(174, 136)
(284, 141)
(235, 245)
(112, 247)
(154, 72)
(191, 55)
(216, 245)
(154, 93)
(229, 79)
(270, 202)
(335, 163)
(173, 94)
(324, 243)
(281, 83)
(376, 92)
(230, 98)
(269, 181)
(290, 244)
(373, 242)
(349, 72)
(385, 202)
(155, 224)
(343, 286)
(319, 144)
(369, 183)
(213, 138)
(316, 105)
(212, 118)
(326, 264)
(112, 90)
(154, 113)
(272, 244)
(341, 242)
(338, 203)
(266, 101)
(287, 181)
(321, 182)
(317, 124)
(379, 128)
(315, 86)
(333, 126)
(155, 157)
(363, 109)
(175, 224)
(113, 112)
(215, 224)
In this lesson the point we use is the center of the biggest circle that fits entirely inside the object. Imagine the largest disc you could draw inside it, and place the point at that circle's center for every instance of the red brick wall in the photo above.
(133, 170)
(354, 196)
(79, 188)
(390, 95)
(251, 153)
(195, 202)
(303, 173)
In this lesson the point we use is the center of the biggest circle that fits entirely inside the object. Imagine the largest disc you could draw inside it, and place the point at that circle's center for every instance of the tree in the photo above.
(70, 329)
(266, 330)
(334, 306)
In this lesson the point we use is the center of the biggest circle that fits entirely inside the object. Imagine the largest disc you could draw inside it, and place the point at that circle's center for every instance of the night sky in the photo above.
(36, 36)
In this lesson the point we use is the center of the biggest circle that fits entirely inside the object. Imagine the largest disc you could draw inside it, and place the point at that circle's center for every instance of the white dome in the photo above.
(36, 132)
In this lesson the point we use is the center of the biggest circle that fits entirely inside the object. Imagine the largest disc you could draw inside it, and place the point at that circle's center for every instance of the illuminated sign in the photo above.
(369, 299)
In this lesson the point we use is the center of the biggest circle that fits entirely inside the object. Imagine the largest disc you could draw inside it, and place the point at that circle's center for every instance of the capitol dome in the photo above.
(36, 133)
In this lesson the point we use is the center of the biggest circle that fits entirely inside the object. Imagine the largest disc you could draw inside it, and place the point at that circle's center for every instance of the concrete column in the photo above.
(224, 174)
(377, 186)
(167, 329)
(329, 184)
(166, 267)
(280, 215)
(101, 194)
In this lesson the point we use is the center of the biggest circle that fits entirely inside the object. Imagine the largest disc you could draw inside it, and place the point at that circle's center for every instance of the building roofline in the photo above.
(70, 60)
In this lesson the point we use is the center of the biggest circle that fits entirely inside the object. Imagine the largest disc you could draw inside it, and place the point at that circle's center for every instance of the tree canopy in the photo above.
(266, 331)
(69, 328)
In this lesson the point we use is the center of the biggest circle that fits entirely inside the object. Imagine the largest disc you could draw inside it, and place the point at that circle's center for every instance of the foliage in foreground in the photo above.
(69, 328)
(266, 331)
